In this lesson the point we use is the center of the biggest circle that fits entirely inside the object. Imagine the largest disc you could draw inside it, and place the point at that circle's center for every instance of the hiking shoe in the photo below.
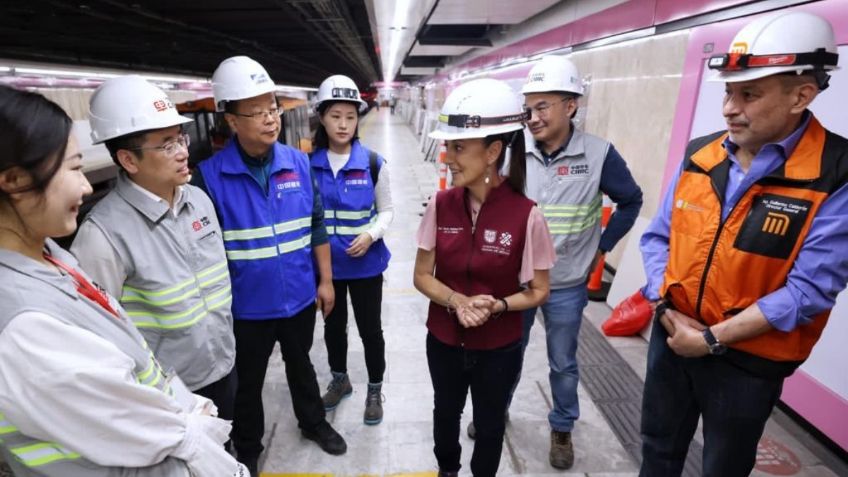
(562, 452)
(327, 438)
(374, 405)
(338, 389)
(472, 431)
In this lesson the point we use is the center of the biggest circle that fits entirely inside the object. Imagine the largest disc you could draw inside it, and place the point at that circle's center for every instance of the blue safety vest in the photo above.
(267, 235)
(349, 210)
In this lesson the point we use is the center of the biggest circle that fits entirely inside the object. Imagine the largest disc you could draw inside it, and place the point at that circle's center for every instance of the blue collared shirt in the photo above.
(820, 271)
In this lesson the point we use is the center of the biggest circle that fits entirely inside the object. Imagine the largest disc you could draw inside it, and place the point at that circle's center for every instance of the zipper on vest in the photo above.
(721, 222)
(468, 263)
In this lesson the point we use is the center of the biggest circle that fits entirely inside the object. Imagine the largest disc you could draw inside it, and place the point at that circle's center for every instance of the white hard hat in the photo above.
(553, 74)
(339, 88)
(778, 43)
(129, 104)
(480, 108)
(237, 78)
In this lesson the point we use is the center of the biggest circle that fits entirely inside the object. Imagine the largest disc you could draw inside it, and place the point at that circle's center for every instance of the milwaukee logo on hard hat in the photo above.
(163, 104)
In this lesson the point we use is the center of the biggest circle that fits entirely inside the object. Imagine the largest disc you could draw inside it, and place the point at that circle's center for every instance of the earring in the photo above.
(486, 180)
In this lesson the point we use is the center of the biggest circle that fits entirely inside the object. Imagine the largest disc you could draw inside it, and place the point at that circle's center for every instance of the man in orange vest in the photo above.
(743, 259)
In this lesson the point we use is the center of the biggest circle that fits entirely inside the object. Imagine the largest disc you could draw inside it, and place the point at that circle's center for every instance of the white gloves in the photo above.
(203, 451)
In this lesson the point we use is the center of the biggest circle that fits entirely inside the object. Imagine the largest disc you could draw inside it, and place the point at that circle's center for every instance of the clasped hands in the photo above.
(475, 310)
(685, 334)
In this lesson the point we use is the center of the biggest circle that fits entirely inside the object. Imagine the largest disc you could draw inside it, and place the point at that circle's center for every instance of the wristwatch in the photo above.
(716, 348)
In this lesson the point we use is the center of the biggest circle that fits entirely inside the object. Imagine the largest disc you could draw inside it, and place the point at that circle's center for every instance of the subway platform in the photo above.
(606, 438)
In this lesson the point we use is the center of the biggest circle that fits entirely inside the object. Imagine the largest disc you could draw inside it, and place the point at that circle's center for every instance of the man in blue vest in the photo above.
(276, 243)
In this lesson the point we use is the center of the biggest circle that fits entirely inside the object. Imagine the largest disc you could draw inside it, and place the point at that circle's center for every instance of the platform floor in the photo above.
(402, 444)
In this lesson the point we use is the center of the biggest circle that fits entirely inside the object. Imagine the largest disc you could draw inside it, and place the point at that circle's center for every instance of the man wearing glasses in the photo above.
(277, 247)
(155, 243)
(568, 171)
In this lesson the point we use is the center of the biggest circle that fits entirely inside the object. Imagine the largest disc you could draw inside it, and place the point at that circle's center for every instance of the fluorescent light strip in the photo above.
(152, 77)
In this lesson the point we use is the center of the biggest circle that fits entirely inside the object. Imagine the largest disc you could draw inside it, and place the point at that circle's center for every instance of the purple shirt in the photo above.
(819, 273)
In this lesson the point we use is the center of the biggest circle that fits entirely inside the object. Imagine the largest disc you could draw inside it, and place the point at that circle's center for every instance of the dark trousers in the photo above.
(223, 393)
(254, 342)
(366, 295)
(490, 375)
(735, 405)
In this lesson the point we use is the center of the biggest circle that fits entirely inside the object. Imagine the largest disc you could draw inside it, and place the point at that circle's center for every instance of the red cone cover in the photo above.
(629, 317)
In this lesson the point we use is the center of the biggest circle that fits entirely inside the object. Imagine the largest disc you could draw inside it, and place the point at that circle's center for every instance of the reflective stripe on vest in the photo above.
(162, 309)
(338, 216)
(268, 252)
(35, 455)
(572, 219)
(302, 224)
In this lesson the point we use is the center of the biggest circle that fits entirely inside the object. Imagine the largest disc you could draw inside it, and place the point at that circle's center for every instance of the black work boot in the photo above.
(338, 389)
(444, 473)
(327, 438)
(374, 405)
(562, 452)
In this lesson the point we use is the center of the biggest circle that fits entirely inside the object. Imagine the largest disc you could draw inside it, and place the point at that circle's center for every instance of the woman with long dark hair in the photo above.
(80, 391)
(354, 185)
(483, 256)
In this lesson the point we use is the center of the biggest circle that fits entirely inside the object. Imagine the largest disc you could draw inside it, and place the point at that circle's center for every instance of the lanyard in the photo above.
(84, 287)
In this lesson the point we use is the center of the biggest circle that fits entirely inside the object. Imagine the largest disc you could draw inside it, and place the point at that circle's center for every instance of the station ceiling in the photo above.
(300, 42)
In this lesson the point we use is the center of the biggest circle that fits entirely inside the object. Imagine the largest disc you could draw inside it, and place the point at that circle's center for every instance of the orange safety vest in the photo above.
(717, 269)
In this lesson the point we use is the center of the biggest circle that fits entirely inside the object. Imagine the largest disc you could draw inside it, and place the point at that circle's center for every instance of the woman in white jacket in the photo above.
(81, 395)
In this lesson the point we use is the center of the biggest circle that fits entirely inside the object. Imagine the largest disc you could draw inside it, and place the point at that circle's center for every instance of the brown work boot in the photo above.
(562, 452)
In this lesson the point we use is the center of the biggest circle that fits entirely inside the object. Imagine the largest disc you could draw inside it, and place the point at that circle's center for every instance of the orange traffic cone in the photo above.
(443, 168)
(599, 289)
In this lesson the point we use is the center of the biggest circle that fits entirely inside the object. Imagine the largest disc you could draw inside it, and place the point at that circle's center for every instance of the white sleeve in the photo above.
(385, 208)
(64, 384)
(98, 258)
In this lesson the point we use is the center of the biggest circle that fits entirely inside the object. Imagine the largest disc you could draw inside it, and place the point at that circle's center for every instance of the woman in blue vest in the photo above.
(354, 187)
(484, 252)
(81, 394)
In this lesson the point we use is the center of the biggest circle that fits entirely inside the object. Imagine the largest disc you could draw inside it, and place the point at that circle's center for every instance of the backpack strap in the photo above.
(372, 166)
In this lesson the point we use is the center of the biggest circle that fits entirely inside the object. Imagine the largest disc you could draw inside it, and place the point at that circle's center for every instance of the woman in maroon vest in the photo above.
(478, 243)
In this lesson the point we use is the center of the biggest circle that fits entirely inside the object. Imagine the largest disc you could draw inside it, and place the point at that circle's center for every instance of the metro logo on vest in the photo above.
(773, 225)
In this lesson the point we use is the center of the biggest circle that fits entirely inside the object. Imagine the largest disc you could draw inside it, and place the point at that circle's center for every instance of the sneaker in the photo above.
(562, 452)
(472, 431)
(338, 389)
(374, 405)
(327, 438)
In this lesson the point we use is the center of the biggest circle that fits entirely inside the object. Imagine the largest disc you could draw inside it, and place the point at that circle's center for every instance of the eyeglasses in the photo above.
(542, 109)
(260, 116)
(171, 148)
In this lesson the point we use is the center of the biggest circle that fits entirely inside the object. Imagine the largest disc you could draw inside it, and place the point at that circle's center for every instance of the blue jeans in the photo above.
(563, 314)
(734, 404)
